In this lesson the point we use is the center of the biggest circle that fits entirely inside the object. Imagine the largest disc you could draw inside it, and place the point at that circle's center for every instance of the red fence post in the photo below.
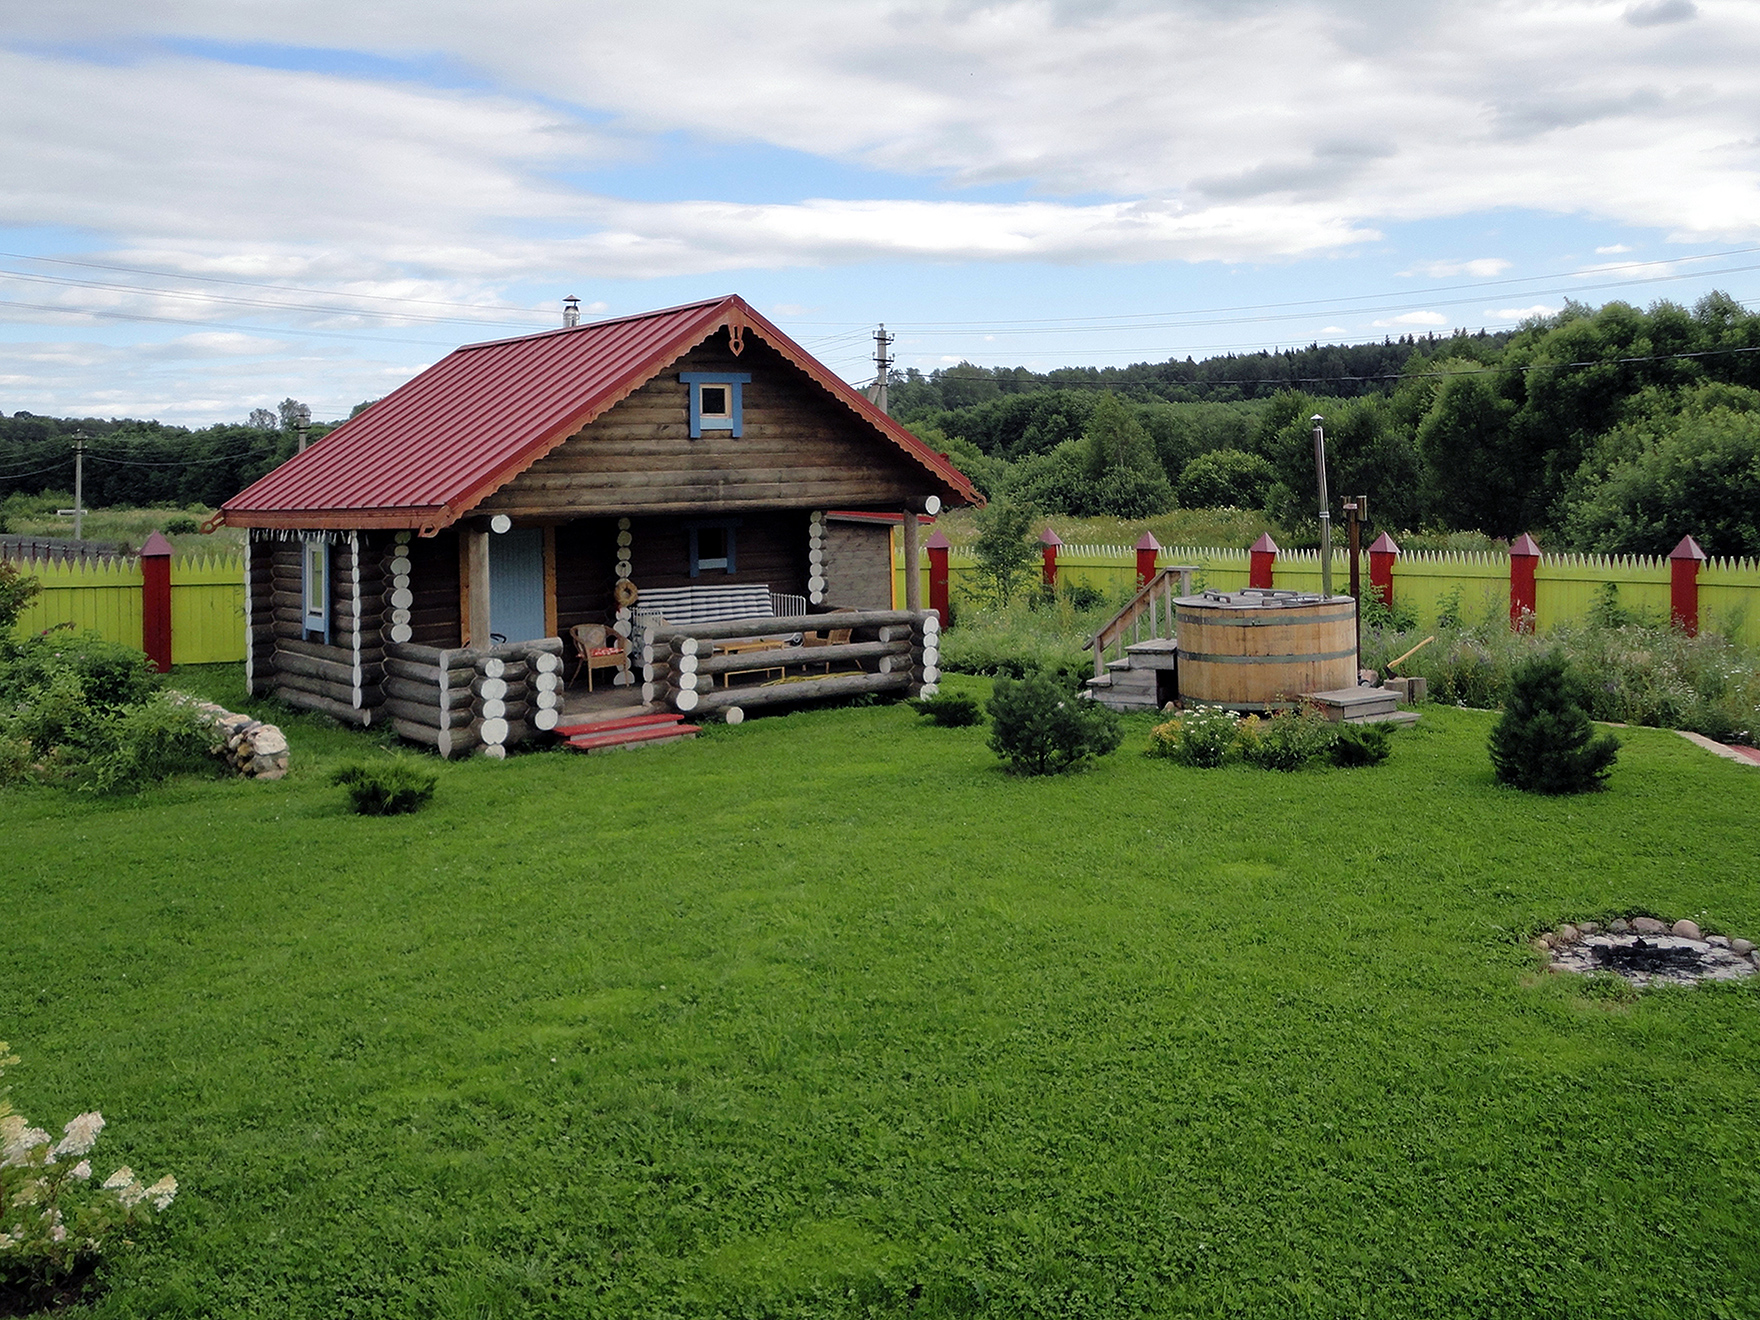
(938, 572)
(1264, 556)
(1524, 556)
(156, 601)
(1049, 541)
(1381, 557)
(1683, 586)
(1147, 548)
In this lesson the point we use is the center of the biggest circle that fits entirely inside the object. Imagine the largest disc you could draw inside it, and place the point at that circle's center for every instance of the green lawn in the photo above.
(824, 1015)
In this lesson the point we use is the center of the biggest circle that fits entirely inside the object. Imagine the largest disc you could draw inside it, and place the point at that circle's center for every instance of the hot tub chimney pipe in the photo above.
(1325, 508)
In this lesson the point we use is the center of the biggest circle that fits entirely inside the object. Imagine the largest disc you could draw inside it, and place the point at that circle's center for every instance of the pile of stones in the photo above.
(1648, 952)
(248, 746)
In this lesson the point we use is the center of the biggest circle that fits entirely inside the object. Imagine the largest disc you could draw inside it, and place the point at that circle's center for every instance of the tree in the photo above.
(1005, 548)
(1685, 465)
(261, 419)
(1125, 478)
(1544, 742)
(1226, 478)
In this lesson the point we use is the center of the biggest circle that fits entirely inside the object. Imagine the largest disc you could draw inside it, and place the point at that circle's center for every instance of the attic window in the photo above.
(715, 401)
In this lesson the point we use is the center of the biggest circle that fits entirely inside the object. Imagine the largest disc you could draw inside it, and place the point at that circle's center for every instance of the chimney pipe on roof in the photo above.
(571, 310)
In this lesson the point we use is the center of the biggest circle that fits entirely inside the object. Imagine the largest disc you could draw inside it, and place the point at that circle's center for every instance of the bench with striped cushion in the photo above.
(706, 604)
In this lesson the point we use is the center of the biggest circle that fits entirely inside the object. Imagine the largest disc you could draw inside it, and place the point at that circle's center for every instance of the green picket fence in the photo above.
(1476, 583)
(104, 596)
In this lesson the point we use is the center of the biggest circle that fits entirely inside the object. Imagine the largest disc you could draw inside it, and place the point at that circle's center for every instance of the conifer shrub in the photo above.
(1040, 727)
(950, 710)
(394, 787)
(1544, 742)
(1358, 745)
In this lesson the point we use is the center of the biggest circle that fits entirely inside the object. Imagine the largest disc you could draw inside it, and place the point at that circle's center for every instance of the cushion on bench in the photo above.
(705, 604)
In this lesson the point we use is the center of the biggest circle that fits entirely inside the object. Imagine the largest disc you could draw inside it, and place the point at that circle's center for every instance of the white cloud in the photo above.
(1333, 330)
(1410, 319)
(1522, 313)
(1611, 250)
(1480, 268)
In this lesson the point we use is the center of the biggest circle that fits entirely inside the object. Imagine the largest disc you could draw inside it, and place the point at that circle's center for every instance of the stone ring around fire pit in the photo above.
(1649, 952)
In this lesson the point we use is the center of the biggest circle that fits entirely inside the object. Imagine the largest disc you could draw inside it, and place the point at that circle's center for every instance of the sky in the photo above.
(207, 206)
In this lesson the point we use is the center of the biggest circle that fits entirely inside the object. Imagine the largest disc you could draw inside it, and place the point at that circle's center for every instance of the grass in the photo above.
(127, 528)
(824, 1015)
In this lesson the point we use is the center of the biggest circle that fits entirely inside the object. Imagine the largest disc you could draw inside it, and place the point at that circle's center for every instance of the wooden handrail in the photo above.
(1158, 591)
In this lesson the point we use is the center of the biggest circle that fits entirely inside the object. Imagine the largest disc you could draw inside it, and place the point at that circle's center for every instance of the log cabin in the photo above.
(423, 563)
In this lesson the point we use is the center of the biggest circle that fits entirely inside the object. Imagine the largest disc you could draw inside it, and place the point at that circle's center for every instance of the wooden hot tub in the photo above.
(1259, 650)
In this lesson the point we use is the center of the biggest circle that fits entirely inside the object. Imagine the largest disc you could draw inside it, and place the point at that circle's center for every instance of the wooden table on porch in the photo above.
(741, 648)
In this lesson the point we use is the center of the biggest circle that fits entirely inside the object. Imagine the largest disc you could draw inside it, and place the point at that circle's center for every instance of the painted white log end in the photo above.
(495, 752)
(402, 598)
(492, 689)
(623, 568)
(400, 566)
(547, 663)
(494, 668)
(929, 689)
(401, 632)
(734, 715)
(546, 719)
(494, 731)
(494, 708)
(685, 701)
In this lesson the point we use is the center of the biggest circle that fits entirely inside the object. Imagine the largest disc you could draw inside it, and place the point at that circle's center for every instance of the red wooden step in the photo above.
(618, 722)
(656, 733)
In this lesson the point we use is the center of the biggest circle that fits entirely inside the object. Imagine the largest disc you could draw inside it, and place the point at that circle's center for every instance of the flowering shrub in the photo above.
(53, 1222)
(1290, 739)
(1202, 737)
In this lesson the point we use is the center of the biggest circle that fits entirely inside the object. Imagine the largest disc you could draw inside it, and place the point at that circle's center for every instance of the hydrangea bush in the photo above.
(54, 1221)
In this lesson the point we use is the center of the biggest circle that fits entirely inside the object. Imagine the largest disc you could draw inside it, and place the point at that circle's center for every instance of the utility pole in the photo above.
(79, 484)
(882, 369)
(1325, 508)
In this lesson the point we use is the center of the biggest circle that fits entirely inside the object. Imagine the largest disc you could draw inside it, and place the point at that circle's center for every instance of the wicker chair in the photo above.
(596, 647)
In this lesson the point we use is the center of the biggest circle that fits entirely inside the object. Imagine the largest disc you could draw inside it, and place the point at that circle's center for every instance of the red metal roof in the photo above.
(431, 450)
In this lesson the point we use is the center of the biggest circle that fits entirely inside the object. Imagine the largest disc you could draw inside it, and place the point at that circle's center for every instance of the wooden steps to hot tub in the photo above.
(649, 729)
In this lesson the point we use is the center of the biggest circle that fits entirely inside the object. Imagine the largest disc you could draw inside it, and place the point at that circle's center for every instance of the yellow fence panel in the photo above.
(207, 609)
(104, 596)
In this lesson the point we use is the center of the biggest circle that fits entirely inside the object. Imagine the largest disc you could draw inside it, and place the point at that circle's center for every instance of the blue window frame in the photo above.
(716, 402)
(712, 546)
(315, 591)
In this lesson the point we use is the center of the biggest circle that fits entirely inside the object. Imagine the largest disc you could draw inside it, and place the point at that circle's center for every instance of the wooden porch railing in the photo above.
(1153, 605)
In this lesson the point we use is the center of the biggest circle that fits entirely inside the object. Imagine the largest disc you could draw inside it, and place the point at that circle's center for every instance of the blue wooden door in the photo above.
(516, 584)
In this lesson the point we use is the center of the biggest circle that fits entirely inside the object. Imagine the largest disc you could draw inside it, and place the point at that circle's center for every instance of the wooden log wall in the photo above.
(341, 678)
(458, 700)
(858, 563)
(259, 622)
(586, 552)
(434, 618)
(769, 547)
(799, 448)
(899, 650)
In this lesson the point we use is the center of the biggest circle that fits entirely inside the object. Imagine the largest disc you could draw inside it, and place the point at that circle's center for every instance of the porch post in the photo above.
(477, 586)
(913, 569)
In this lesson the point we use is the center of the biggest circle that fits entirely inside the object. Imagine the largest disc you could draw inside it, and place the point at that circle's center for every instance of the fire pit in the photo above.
(1647, 952)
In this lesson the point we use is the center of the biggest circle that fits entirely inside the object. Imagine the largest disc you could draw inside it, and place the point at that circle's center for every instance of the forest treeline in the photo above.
(135, 463)
(1612, 429)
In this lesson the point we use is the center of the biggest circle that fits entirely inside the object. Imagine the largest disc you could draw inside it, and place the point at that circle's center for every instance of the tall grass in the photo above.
(1638, 672)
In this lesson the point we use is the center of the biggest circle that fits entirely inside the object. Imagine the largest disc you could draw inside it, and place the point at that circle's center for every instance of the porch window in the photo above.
(315, 592)
(712, 546)
(716, 402)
